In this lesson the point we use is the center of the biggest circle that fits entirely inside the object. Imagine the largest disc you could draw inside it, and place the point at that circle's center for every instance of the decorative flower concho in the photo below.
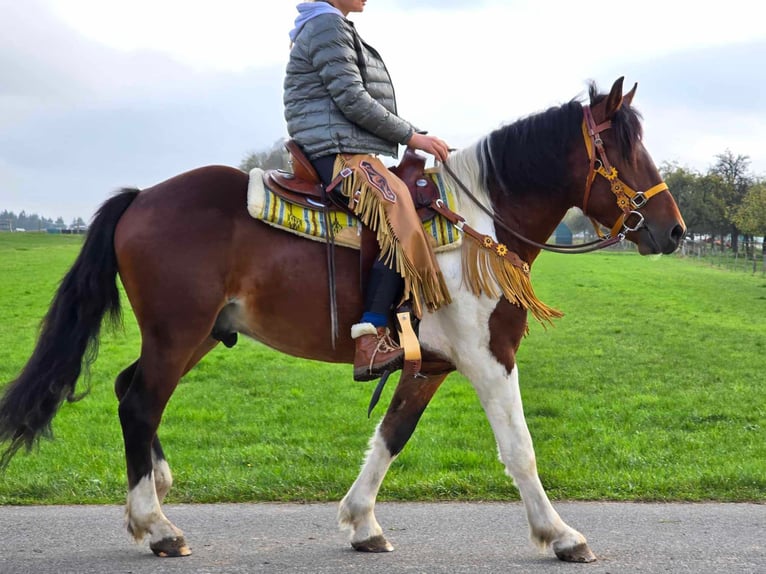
(498, 248)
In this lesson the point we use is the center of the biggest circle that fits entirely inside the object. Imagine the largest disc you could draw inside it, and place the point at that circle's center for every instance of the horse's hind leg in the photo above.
(141, 406)
(163, 478)
(162, 363)
(357, 509)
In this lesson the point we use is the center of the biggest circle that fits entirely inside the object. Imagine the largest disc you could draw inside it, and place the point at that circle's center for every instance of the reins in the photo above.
(628, 200)
(600, 243)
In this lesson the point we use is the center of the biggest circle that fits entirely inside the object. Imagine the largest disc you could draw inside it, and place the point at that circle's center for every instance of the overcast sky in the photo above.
(97, 95)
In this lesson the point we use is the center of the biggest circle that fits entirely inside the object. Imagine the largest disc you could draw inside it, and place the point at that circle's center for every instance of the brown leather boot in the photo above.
(376, 352)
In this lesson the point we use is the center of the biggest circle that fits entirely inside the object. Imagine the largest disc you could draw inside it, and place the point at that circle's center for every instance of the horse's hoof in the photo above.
(170, 547)
(374, 544)
(577, 553)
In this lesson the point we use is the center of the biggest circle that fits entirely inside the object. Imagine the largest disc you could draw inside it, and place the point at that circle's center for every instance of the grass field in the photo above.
(650, 388)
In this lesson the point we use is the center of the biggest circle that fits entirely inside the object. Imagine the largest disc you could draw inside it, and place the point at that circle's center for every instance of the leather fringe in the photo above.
(485, 272)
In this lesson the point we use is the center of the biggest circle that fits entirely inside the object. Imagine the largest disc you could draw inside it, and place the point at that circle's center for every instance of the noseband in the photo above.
(628, 199)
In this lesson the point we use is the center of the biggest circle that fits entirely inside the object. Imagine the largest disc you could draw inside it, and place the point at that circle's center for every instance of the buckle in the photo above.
(635, 227)
(639, 200)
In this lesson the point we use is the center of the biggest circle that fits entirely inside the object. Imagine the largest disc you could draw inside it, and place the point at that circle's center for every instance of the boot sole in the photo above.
(364, 373)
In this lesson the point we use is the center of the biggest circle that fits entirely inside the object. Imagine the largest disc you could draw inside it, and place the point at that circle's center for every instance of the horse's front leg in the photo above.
(501, 400)
(357, 509)
(495, 377)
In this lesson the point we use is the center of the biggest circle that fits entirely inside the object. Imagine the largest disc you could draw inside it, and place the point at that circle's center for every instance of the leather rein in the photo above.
(628, 200)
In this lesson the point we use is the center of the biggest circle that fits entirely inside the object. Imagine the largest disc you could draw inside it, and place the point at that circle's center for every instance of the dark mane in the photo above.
(530, 156)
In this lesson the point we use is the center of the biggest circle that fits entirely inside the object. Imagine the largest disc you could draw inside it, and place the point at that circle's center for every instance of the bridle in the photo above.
(628, 200)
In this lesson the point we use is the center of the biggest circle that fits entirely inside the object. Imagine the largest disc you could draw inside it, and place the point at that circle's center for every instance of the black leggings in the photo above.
(385, 285)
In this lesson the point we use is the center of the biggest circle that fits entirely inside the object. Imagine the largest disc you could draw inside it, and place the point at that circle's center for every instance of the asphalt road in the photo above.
(429, 538)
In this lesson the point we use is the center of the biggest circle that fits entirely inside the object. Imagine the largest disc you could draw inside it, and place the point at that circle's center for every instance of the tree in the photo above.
(700, 199)
(276, 157)
(713, 209)
(685, 186)
(733, 171)
(30, 222)
(751, 215)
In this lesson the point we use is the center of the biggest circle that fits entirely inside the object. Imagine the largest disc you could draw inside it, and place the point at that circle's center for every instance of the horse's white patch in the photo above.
(461, 332)
(500, 396)
(163, 478)
(356, 510)
(460, 327)
(143, 514)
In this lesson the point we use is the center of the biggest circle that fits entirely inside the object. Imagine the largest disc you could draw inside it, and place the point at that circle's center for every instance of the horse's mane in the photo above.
(530, 155)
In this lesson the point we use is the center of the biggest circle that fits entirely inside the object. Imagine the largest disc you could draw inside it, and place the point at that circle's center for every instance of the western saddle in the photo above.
(303, 186)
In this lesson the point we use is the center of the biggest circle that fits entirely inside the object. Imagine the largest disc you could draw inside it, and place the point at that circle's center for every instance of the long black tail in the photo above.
(68, 339)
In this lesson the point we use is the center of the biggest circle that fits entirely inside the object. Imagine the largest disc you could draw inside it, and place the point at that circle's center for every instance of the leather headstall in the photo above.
(628, 199)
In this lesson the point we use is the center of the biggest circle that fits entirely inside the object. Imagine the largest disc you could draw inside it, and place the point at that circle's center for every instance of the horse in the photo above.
(194, 265)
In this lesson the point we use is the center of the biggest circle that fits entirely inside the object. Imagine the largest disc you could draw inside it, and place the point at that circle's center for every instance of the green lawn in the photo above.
(650, 388)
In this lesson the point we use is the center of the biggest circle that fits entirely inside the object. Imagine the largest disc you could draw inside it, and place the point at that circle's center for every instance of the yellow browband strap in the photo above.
(628, 199)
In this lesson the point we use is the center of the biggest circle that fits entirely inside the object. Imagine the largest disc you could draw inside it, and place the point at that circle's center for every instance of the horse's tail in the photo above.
(68, 339)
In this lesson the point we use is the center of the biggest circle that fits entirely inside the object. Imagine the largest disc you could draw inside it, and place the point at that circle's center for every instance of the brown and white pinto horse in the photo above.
(194, 264)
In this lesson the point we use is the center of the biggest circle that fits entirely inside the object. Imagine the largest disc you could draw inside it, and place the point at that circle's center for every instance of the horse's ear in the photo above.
(627, 99)
(614, 99)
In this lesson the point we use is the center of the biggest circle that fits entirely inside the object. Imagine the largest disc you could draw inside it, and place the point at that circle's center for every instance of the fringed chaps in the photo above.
(383, 203)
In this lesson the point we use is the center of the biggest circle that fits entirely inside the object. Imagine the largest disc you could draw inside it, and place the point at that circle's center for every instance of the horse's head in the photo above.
(624, 189)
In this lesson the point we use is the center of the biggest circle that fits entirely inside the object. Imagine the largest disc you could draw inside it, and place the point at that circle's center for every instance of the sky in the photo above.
(100, 95)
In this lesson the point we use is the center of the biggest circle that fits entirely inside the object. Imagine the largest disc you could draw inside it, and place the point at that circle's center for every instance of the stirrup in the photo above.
(409, 341)
(412, 357)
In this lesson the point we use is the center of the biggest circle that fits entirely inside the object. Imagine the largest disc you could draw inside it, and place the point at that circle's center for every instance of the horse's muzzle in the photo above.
(652, 241)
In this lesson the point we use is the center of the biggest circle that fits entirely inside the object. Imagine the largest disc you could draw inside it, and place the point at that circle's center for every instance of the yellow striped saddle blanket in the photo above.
(309, 223)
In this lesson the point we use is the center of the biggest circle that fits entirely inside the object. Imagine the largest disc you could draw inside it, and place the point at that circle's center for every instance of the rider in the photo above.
(339, 99)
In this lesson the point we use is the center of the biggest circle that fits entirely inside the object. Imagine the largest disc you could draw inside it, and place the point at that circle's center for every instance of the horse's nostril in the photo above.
(677, 234)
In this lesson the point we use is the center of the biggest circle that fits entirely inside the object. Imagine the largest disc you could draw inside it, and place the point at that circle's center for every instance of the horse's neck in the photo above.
(534, 217)
(465, 166)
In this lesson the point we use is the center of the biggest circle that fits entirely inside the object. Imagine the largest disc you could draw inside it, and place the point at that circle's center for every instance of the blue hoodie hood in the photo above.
(309, 10)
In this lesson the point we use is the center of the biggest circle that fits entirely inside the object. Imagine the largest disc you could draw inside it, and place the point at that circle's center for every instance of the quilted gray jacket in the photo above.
(338, 93)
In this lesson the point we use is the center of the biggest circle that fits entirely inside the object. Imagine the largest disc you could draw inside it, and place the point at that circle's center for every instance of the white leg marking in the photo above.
(499, 395)
(144, 515)
(163, 478)
(357, 509)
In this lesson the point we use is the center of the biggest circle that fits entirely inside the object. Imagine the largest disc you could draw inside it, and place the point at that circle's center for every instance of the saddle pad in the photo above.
(309, 223)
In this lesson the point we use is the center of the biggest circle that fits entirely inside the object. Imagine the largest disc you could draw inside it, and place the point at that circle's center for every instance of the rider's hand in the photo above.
(430, 144)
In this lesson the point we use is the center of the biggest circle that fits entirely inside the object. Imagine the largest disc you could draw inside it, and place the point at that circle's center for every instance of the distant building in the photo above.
(563, 234)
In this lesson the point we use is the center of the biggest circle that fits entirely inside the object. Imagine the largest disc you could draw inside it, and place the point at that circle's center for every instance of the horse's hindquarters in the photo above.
(187, 249)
